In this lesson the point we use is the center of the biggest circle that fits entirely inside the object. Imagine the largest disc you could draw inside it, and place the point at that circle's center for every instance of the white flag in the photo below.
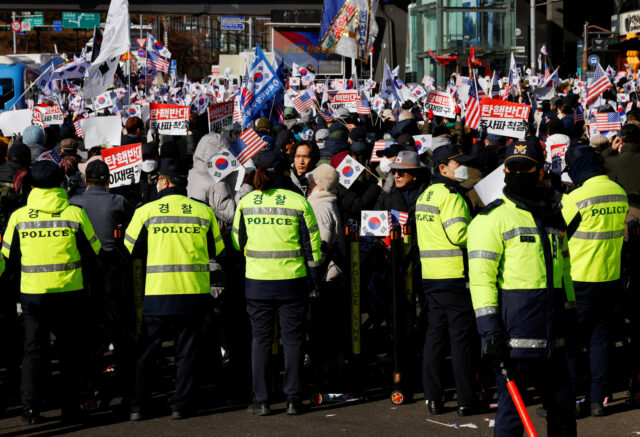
(221, 164)
(374, 223)
(348, 171)
(115, 42)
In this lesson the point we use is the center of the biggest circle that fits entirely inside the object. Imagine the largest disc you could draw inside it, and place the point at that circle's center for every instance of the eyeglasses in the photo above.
(401, 173)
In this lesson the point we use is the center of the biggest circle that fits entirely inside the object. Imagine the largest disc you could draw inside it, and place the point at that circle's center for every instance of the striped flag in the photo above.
(157, 62)
(379, 145)
(327, 115)
(578, 114)
(246, 145)
(363, 107)
(599, 85)
(608, 121)
(78, 127)
(304, 101)
(472, 115)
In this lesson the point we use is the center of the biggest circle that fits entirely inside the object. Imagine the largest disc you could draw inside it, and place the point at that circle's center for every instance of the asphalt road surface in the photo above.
(362, 418)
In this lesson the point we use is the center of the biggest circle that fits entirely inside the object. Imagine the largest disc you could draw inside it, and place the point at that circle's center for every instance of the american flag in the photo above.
(156, 61)
(304, 101)
(599, 85)
(363, 107)
(399, 217)
(378, 145)
(578, 115)
(608, 121)
(327, 115)
(472, 117)
(246, 145)
(237, 111)
(78, 127)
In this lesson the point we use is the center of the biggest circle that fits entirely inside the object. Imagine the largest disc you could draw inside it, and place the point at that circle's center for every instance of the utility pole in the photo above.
(584, 50)
(250, 33)
(532, 34)
(141, 25)
(15, 36)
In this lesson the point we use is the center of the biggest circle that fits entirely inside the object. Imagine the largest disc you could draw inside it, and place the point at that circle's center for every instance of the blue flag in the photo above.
(261, 86)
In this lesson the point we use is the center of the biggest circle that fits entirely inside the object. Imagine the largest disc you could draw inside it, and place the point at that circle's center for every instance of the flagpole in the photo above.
(32, 83)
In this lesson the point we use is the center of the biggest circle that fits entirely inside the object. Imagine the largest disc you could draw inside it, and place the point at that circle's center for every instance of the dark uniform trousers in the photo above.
(595, 303)
(62, 315)
(291, 314)
(551, 379)
(186, 331)
(449, 311)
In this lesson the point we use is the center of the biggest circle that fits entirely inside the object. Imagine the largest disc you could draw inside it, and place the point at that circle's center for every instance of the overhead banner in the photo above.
(504, 118)
(47, 115)
(344, 99)
(220, 116)
(169, 119)
(441, 103)
(302, 46)
(125, 164)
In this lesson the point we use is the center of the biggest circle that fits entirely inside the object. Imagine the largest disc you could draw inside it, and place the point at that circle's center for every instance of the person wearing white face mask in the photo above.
(442, 217)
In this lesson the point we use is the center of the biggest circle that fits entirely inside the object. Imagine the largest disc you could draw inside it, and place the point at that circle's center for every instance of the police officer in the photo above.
(276, 230)
(442, 217)
(50, 240)
(595, 213)
(176, 234)
(519, 275)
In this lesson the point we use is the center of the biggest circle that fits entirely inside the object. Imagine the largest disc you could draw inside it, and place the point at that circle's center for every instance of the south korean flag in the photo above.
(423, 143)
(349, 170)
(374, 223)
(222, 164)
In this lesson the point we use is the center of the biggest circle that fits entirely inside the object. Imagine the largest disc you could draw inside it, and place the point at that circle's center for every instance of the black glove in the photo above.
(496, 350)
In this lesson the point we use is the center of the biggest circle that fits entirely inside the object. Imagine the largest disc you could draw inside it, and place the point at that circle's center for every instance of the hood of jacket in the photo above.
(336, 145)
(50, 200)
(208, 146)
(318, 197)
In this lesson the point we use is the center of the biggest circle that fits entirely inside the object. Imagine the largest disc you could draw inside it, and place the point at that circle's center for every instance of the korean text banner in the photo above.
(47, 115)
(504, 118)
(220, 116)
(125, 164)
(169, 119)
(347, 99)
(440, 103)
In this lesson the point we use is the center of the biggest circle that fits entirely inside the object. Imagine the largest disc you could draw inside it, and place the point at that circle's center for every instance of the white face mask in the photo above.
(461, 173)
(385, 165)
(560, 115)
(149, 165)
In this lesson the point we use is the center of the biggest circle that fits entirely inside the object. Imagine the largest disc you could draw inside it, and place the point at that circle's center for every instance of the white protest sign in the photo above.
(490, 188)
(504, 118)
(220, 116)
(440, 103)
(348, 171)
(347, 99)
(374, 223)
(47, 115)
(15, 122)
(125, 164)
(556, 147)
(169, 119)
(221, 164)
(100, 131)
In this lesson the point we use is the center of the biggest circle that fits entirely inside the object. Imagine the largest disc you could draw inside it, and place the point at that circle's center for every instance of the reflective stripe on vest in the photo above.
(598, 235)
(270, 210)
(274, 254)
(178, 268)
(515, 232)
(427, 208)
(484, 254)
(48, 268)
(6, 245)
(129, 239)
(528, 343)
(176, 219)
(453, 221)
(601, 199)
(48, 224)
(486, 311)
(440, 253)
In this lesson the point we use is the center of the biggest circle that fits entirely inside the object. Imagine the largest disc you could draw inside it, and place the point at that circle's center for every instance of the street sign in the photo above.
(57, 26)
(519, 49)
(80, 20)
(16, 26)
(144, 27)
(33, 21)
(141, 42)
(173, 67)
(599, 44)
(141, 53)
(226, 18)
(26, 26)
(593, 60)
(230, 25)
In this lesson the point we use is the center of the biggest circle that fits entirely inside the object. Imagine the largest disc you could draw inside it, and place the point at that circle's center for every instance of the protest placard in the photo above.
(15, 122)
(490, 188)
(504, 118)
(45, 115)
(347, 99)
(101, 131)
(220, 116)
(125, 164)
(169, 119)
(440, 103)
